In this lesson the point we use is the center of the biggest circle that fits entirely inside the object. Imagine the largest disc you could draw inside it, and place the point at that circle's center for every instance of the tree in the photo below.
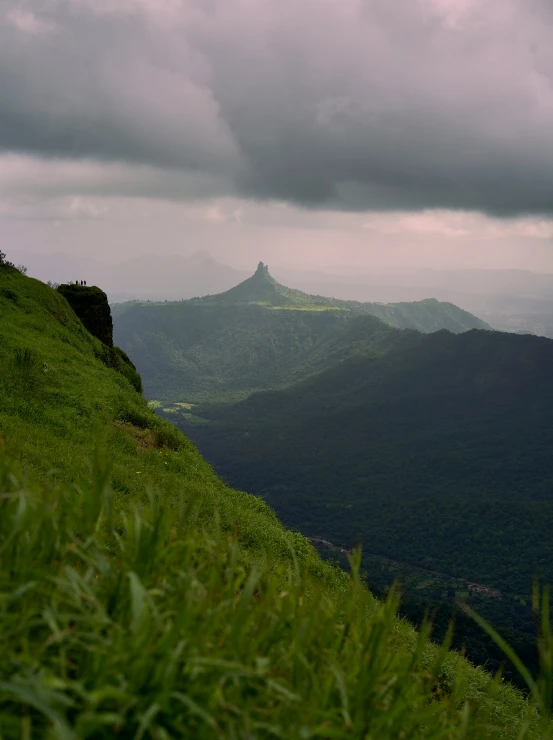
(6, 263)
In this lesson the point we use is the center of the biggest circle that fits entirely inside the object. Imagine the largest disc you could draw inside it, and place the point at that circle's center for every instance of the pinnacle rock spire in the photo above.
(262, 269)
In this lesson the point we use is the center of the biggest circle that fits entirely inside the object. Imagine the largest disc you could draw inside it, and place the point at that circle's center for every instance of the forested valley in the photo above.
(429, 448)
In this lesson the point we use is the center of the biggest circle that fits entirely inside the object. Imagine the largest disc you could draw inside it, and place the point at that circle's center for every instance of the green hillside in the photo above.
(141, 597)
(255, 336)
(426, 316)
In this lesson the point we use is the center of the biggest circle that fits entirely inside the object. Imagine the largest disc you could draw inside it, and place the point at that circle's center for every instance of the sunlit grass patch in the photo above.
(306, 308)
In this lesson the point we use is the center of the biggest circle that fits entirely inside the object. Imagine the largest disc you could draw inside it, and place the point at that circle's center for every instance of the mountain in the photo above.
(426, 315)
(141, 597)
(435, 452)
(432, 451)
(508, 300)
(262, 289)
(258, 334)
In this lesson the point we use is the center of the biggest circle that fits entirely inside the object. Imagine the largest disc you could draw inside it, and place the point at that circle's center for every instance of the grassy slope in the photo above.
(65, 402)
(140, 597)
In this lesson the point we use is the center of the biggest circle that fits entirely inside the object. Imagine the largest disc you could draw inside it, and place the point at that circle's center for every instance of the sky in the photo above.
(388, 134)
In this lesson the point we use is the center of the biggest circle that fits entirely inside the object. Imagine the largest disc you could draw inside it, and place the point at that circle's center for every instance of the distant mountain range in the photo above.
(259, 334)
(509, 300)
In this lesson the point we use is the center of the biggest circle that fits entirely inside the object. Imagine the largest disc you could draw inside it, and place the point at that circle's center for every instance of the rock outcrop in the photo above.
(92, 307)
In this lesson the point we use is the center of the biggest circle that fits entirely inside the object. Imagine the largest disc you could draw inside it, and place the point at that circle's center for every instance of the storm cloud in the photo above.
(342, 104)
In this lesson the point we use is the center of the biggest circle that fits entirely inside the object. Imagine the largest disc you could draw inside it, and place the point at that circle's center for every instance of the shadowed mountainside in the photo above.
(436, 452)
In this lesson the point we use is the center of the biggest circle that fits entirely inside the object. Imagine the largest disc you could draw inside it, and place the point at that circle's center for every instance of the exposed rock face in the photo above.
(262, 270)
(92, 307)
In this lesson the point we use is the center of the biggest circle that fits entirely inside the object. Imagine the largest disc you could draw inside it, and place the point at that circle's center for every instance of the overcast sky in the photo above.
(373, 132)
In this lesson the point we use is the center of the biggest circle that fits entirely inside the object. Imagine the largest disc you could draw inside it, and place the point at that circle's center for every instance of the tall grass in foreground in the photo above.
(145, 625)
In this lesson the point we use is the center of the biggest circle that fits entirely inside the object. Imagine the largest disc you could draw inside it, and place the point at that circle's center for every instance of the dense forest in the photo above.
(436, 454)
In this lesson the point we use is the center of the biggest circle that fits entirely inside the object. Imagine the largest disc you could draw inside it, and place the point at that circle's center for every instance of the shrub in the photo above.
(116, 359)
(4, 263)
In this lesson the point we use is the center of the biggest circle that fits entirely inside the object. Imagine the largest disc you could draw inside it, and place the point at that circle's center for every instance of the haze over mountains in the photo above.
(153, 277)
(258, 334)
(509, 300)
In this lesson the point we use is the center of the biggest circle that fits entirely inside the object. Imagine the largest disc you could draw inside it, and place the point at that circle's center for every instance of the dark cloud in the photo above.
(364, 104)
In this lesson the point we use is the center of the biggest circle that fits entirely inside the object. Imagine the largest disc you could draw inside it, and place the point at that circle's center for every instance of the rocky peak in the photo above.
(262, 270)
(92, 307)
